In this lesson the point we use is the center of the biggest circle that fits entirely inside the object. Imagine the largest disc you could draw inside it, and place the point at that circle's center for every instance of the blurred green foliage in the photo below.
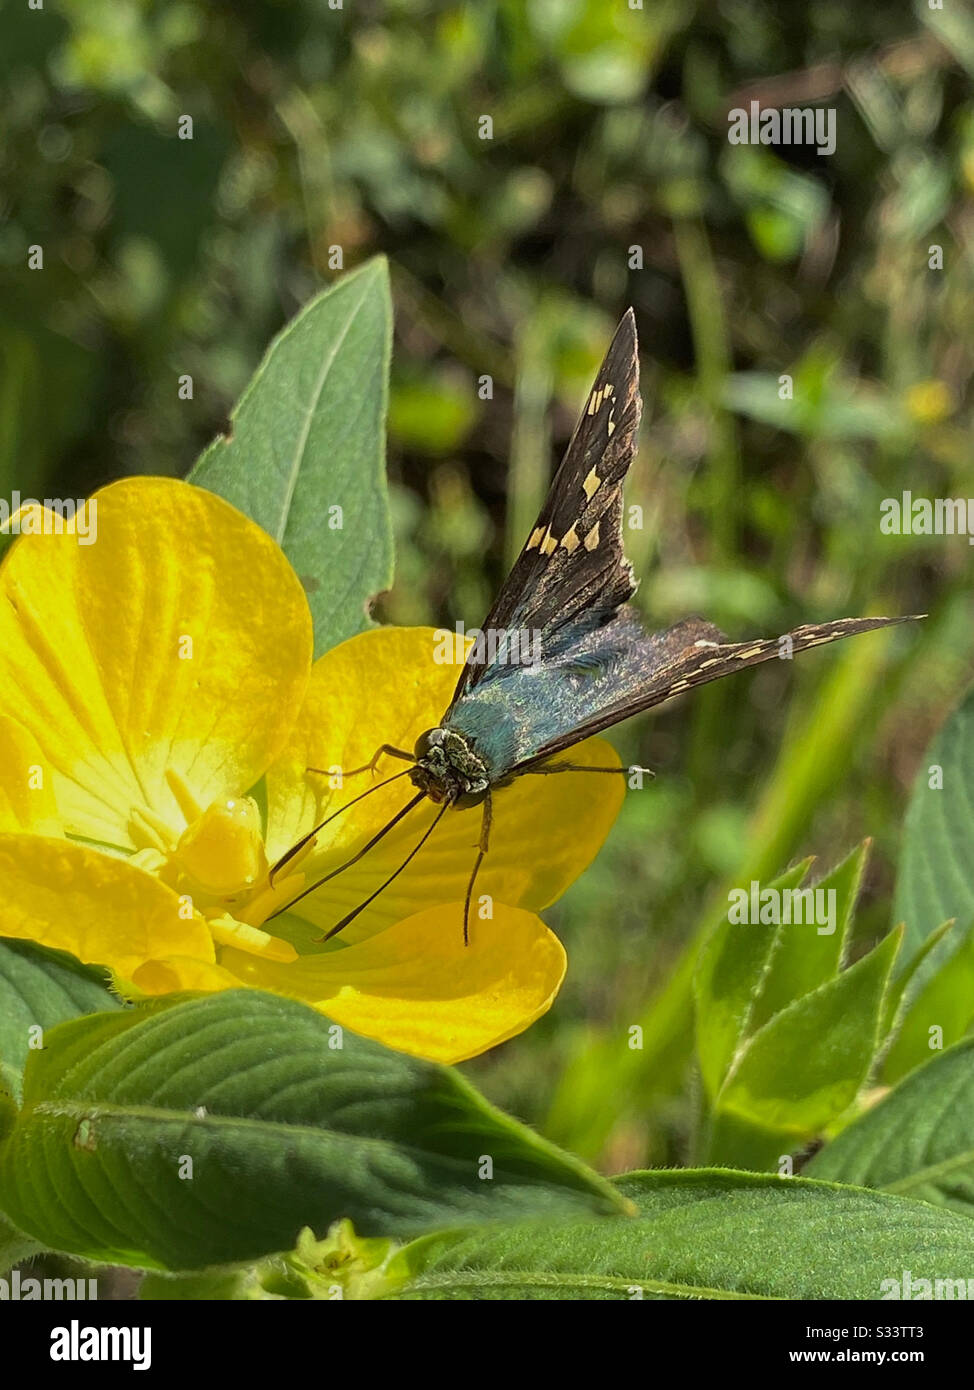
(358, 129)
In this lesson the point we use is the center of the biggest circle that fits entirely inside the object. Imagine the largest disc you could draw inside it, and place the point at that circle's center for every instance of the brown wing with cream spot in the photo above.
(573, 560)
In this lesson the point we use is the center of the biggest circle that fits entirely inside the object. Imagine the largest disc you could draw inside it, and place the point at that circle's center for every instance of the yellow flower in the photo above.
(929, 402)
(159, 713)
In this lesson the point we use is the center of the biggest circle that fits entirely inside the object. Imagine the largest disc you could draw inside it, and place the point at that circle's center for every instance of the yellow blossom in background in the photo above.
(159, 712)
(929, 402)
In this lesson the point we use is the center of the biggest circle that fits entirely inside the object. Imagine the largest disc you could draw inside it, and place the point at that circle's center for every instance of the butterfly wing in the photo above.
(570, 584)
(572, 569)
(616, 671)
(657, 667)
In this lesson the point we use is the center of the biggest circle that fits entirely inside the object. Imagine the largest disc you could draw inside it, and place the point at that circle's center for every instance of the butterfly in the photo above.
(591, 662)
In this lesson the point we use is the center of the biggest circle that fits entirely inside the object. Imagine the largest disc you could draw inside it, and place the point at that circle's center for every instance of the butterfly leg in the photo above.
(481, 851)
(389, 748)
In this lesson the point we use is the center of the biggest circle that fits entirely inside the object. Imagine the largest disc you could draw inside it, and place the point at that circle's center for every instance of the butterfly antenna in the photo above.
(350, 916)
(296, 848)
(333, 873)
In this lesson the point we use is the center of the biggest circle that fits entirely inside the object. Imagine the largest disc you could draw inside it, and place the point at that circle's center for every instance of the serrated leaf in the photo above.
(282, 1130)
(702, 1234)
(803, 957)
(40, 988)
(730, 971)
(309, 435)
(805, 1066)
(918, 1141)
(934, 881)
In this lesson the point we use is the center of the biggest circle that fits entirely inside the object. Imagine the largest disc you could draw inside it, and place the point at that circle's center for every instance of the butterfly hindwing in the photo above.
(694, 653)
(572, 566)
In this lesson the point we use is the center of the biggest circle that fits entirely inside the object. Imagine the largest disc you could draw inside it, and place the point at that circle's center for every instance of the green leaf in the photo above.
(918, 1141)
(934, 881)
(943, 1001)
(241, 1285)
(702, 1234)
(905, 987)
(805, 1066)
(282, 1128)
(819, 409)
(729, 974)
(802, 957)
(40, 988)
(309, 436)
(15, 1247)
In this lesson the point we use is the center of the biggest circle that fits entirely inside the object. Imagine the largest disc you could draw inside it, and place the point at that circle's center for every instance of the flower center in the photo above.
(223, 850)
(220, 864)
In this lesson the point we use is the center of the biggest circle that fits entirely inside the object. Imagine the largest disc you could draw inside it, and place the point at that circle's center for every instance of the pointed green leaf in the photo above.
(805, 955)
(805, 1066)
(904, 988)
(309, 437)
(730, 971)
(940, 1010)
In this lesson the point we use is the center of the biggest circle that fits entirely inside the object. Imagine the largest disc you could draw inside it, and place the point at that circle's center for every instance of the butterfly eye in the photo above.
(425, 742)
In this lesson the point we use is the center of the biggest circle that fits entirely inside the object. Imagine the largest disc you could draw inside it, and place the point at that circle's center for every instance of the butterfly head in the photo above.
(447, 768)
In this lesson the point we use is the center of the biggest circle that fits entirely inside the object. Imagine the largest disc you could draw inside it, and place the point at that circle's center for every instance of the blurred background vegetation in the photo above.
(359, 128)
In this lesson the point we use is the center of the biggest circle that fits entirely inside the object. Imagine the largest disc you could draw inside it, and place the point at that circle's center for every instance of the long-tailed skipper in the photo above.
(592, 663)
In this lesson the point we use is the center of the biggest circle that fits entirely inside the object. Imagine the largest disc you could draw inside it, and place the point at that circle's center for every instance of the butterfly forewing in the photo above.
(572, 568)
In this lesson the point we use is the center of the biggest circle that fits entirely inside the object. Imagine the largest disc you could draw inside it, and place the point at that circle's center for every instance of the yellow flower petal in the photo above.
(26, 797)
(384, 686)
(417, 988)
(101, 909)
(175, 974)
(180, 639)
(380, 687)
